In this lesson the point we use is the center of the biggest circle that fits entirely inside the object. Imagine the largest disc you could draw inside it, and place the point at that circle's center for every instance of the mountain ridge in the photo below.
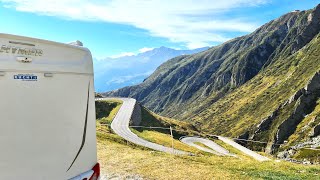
(241, 88)
(218, 69)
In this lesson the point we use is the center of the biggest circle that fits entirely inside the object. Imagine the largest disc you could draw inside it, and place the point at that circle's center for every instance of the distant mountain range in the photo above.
(114, 73)
(264, 86)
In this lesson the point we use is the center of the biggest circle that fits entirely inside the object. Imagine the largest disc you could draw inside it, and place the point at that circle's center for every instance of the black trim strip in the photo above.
(84, 131)
(21, 43)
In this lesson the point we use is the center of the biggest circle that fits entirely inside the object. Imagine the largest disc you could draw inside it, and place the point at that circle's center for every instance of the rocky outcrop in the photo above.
(314, 85)
(266, 123)
(315, 131)
(305, 102)
(296, 95)
(136, 118)
(304, 105)
(243, 137)
(287, 154)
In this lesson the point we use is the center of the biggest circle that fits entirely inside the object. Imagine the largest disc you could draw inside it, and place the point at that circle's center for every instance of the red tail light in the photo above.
(96, 172)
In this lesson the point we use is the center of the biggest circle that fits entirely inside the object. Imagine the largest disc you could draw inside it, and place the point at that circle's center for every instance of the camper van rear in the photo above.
(47, 110)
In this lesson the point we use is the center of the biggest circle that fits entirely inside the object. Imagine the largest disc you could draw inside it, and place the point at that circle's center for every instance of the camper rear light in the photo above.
(96, 172)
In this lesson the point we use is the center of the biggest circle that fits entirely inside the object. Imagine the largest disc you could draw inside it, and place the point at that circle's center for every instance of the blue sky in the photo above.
(124, 27)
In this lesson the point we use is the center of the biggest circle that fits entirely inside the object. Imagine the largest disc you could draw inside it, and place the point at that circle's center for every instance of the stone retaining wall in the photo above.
(136, 115)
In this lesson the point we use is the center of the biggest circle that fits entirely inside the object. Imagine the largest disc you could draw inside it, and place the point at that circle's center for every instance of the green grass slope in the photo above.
(106, 110)
(121, 159)
(243, 109)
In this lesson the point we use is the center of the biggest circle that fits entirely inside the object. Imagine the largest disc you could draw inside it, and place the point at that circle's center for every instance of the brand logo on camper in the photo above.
(26, 77)
(20, 51)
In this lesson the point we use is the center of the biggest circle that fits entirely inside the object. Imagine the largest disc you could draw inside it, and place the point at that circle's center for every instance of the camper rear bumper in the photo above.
(82, 176)
(93, 174)
(86, 175)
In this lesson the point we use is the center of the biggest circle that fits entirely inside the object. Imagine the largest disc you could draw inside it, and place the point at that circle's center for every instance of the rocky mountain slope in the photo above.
(185, 79)
(263, 86)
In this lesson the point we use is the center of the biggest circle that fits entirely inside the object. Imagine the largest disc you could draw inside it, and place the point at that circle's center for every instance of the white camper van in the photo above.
(47, 111)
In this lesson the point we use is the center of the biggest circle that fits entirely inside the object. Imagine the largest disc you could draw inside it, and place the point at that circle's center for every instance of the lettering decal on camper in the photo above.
(21, 51)
(26, 77)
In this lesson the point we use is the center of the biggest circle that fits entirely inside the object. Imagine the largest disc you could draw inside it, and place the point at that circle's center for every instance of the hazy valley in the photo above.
(116, 72)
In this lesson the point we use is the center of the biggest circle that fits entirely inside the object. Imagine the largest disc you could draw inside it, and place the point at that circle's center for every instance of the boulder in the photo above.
(315, 131)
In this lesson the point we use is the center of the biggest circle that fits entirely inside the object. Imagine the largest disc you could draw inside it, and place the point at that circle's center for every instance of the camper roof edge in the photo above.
(31, 39)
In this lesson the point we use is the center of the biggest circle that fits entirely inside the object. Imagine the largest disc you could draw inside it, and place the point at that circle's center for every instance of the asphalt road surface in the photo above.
(215, 148)
(120, 125)
(243, 149)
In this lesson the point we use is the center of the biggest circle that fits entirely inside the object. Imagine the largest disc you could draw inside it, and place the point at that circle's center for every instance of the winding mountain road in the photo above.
(215, 148)
(120, 125)
(243, 149)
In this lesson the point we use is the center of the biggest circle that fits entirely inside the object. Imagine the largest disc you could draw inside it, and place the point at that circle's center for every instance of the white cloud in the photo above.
(145, 49)
(195, 23)
(123, 55)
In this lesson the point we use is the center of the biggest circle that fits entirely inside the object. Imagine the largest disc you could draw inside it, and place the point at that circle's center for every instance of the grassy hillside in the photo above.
(259, 97)
(263, 86)
(121, 159)
(106, 110)
(242, 110)
(161, 134)
(181, 128)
